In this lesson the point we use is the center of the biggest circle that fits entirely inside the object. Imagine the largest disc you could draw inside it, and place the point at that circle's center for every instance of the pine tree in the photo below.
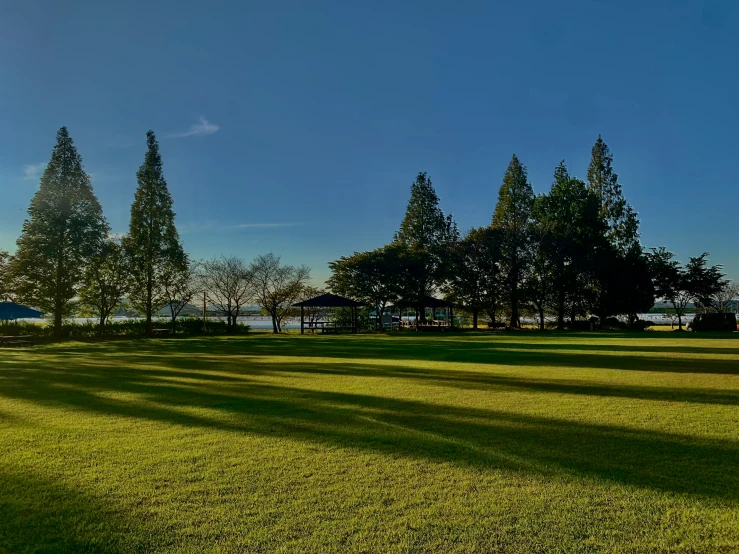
(512, 216)
(619, 216)
(65, 227)
(152, 243)
(571, 215)
(425, 235)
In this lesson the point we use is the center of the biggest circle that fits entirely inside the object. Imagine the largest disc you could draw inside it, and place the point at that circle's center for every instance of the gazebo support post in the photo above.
(302, 321)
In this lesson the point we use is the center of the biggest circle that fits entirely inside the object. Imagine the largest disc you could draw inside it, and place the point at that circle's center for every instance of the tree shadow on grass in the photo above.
(455, 435)
(484, 350)
(480, 380)
(187, 354)
(40, 516)
(474, 352)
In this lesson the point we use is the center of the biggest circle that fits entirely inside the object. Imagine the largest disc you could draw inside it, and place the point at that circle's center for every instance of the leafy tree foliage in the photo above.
(152, 244)
(681, 285)
(65, 228)
(277, 287)
(512, 217)
(6, 277)
(106, 281)
(668, 279)
(704, 282)
(570, 217)
(180, 283)
(620, 218)
(425, 236)
(370, 277)
(633, 290)
(475, 279)
(540, 274)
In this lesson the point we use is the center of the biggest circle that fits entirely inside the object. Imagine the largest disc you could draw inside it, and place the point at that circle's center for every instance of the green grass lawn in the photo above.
(411, 443)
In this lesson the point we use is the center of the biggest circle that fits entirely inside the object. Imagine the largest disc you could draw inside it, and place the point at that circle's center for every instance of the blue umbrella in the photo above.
(11, 310)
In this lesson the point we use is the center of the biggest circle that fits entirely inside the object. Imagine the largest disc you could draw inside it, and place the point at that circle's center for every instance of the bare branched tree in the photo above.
(723, 301)
(277, 286)
(313, 314)
(228, 285)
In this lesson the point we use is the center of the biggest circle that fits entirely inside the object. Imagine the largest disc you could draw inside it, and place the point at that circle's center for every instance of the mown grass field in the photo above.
(410, 443)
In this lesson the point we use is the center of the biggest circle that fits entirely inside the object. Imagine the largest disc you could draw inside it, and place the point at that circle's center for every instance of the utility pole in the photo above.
(205, 309)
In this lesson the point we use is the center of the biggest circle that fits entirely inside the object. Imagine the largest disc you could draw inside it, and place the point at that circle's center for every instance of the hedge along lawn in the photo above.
(408, 443)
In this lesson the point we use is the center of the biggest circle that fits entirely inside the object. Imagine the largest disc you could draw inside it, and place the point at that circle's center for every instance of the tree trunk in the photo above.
(101, 330)
(275, 328)
(514, 311)
(561, 309)
(679, 322)
(474, 319)
(541, 317)
(514, 304)
(149, 309)
(58, 331)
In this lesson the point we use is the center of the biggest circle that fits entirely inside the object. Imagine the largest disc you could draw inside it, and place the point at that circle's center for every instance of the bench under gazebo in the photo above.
(329, 300)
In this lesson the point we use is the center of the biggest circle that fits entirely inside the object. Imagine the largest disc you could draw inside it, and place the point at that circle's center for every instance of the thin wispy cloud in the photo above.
(202, 128)
(263, 225)
(196, 226)
(33, 172)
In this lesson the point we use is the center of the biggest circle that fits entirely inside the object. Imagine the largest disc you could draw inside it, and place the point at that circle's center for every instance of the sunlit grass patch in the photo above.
(406, 443)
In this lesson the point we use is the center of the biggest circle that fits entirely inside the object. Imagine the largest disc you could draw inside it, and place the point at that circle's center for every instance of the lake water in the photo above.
(261, 323)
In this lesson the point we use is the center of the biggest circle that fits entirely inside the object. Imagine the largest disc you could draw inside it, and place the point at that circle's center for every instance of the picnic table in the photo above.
(327, 327)
(161, 332)
(16, 340)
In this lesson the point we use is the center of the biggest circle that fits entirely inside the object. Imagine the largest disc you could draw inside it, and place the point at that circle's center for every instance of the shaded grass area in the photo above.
(468, 443)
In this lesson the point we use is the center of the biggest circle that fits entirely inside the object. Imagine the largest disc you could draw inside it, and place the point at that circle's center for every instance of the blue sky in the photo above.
(297, 127)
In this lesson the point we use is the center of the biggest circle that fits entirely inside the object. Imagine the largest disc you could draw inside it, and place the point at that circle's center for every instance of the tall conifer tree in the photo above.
(512, 216)
(64, 229)
(152, 244)
(425, 235)
(616, 212)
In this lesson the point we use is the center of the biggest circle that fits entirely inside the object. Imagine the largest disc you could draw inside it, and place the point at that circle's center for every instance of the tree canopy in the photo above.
(153, 243)
(65, 227)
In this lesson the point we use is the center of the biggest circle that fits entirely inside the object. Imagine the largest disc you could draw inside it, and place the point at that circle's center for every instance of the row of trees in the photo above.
(66, 259)
(568, 253)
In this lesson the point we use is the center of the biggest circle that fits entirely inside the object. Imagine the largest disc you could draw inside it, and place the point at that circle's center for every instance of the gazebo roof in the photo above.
(329, 300)
(11, 310)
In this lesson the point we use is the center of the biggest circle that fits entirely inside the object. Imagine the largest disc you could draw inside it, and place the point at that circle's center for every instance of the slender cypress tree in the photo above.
(619, 216)
(512, 216)
(425, 236)
(64, 229)
(152, 244)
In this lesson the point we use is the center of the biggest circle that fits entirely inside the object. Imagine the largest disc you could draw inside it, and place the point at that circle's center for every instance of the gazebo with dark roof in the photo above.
(429, 302)
(11, 310)
(328, 300)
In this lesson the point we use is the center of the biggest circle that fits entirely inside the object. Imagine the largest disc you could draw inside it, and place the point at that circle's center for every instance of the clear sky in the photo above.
(297, 127)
